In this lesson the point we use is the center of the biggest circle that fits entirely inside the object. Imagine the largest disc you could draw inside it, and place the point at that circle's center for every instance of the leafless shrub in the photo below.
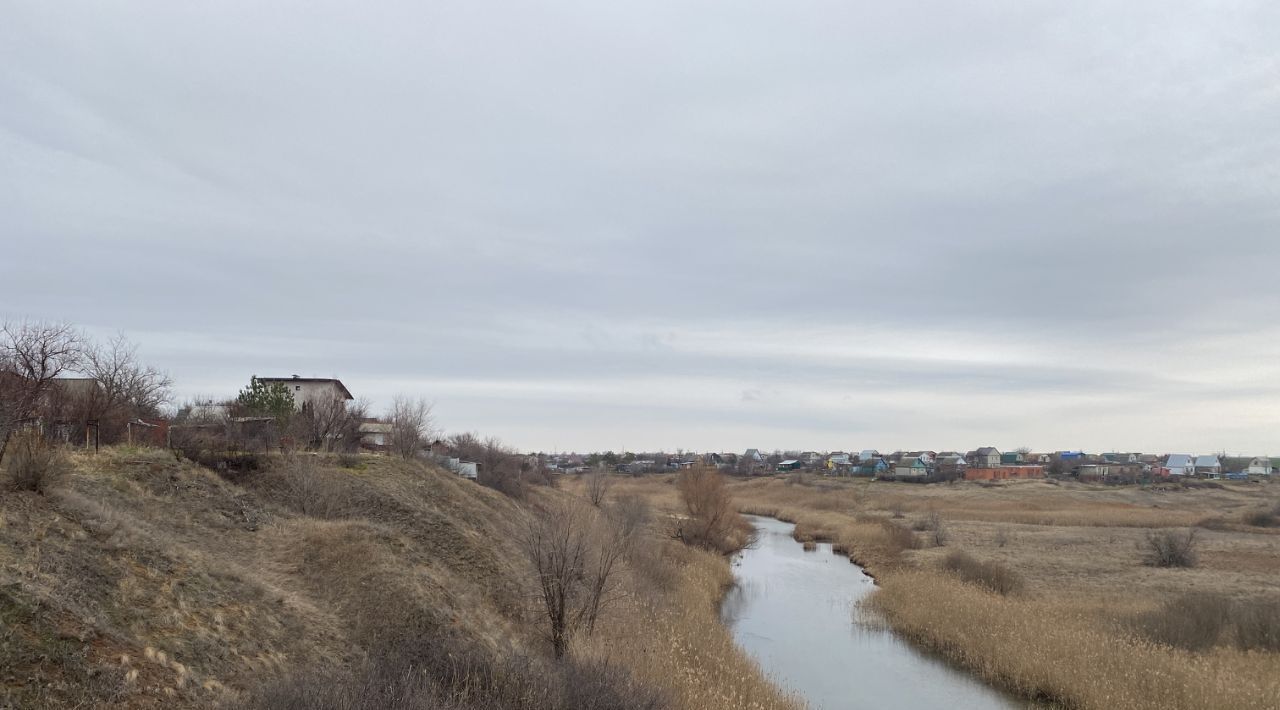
(990, 575)
(899, 538)
(938, 534)
(598, 483)
(233, 450)
(1198, 621)
(1266, 518)
(1169, 548)
(1257, 624)
(574, 552)
(34, 464)
(712, 521)
(501, 468)
(349, 460)
(411, 426)
(932, 524)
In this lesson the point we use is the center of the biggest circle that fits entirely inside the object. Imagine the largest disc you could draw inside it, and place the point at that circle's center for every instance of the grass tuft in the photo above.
(988, 575)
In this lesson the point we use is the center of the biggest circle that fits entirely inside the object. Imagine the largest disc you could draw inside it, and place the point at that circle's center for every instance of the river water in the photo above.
(794, 612)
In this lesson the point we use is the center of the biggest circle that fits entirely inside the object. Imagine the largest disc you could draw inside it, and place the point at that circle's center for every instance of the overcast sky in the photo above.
(708, 225)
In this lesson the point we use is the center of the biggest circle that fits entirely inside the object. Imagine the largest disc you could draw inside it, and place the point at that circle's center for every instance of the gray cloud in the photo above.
(834, 225)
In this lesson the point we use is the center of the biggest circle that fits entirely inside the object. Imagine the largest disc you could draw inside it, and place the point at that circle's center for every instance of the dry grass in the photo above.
(991, 576)
(33, 464)
(1052, 651)
(1198, 621)
(678, 642)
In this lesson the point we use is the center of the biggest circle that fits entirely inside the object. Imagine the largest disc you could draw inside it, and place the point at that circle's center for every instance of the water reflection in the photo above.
(794, 611)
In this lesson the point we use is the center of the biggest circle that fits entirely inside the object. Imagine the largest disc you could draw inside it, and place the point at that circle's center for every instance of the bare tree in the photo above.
(575, 552)
(125, 389)
(411, 426)
(557, 546)
(32, 355)
(598, 482)
(331, 424)
(123, 378)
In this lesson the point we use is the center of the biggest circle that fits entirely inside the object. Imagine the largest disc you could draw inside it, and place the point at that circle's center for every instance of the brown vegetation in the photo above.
(314, 581)
(1169, 548)
(33, 464)
(1265, 518)
(989, 575)
(1198, 621)
(712, 523)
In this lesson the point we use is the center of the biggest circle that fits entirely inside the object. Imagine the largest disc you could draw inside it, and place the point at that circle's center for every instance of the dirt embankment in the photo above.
(140, 581)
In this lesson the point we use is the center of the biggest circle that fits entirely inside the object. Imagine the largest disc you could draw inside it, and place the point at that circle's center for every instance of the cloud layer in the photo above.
(699, 225)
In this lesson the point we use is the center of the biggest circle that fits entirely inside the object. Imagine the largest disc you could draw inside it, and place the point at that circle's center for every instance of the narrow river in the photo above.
(794, 612)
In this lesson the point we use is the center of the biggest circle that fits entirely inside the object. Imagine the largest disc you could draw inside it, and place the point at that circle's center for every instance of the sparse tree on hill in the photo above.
(411, 426)
(32, 356)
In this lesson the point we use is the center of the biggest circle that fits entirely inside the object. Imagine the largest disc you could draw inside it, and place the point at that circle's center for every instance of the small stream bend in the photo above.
(794, 612)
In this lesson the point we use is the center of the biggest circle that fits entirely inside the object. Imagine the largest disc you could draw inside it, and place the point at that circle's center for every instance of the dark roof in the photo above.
(337, 382)
(988, 451)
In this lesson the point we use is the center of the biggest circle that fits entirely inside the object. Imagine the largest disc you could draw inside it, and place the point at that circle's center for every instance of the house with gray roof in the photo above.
(1179, 465)
(1208, 466)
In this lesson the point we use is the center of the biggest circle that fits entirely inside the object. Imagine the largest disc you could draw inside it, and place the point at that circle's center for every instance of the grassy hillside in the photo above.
(140, 581)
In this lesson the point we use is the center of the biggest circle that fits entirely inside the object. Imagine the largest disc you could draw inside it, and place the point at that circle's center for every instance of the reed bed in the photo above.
(1046, 650)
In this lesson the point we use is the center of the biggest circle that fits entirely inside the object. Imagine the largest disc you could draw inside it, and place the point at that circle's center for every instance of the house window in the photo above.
(297, 388)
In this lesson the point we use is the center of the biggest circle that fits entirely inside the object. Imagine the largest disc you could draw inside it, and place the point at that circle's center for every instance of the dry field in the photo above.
(1088, 627)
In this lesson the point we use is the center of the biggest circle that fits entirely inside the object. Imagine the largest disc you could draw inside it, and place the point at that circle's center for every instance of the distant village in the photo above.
(322, 414)
(982, 464)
